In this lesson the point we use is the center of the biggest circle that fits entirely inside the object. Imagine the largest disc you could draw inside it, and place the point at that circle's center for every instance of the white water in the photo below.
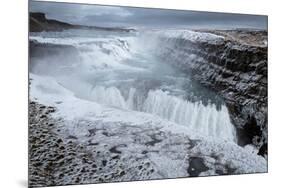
(207, 120)
(118, 71)
(204, 119)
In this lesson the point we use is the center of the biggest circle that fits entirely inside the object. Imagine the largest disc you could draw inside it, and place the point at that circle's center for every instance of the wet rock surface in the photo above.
(196, 166)
(87, 151)
(236, 68)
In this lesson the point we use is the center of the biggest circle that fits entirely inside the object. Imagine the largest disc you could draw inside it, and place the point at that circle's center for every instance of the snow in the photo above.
(75, 111)
(193, 36)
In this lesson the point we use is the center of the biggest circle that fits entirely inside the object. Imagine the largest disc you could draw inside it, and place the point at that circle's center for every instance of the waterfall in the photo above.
(130, 100)
(204, 119)
(109, 96)
(107, 61)
(207, 120)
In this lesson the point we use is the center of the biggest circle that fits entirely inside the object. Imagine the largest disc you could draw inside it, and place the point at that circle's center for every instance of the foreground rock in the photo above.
(233, 63)
(65, 152)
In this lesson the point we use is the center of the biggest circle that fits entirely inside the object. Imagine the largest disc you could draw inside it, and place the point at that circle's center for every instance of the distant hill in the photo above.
(38, 23)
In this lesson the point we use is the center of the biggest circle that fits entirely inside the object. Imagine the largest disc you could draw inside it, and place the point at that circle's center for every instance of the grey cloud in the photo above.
(143, 17)
(75, 13)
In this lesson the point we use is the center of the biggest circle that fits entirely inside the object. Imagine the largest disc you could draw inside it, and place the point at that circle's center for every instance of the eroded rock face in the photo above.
(236, 68)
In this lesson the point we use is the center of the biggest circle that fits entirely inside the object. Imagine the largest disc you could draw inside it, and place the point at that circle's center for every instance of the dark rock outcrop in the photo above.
(39, 22)
(196, 166)
(237, 70)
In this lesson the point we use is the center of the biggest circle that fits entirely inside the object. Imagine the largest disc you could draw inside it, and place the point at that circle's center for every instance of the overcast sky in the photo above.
(112, 16)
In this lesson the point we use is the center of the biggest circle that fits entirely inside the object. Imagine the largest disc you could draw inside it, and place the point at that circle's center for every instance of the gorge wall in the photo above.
(235, 67)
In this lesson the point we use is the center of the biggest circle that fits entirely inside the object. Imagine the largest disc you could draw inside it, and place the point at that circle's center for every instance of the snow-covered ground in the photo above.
(193, 36)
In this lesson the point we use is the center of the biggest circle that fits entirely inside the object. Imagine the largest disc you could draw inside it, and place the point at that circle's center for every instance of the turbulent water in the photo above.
(122, 70)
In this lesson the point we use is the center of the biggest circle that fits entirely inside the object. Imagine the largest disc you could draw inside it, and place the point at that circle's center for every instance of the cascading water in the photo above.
(207, 120)
(118, 71)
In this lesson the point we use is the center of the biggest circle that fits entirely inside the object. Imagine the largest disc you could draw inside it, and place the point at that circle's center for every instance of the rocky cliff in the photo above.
(39, 22)
(236, 68)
